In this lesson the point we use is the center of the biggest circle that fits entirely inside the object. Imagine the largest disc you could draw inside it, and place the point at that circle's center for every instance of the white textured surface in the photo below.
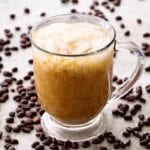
(130, 10)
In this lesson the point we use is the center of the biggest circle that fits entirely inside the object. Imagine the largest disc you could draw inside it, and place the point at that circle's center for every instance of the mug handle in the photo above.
(126, 86)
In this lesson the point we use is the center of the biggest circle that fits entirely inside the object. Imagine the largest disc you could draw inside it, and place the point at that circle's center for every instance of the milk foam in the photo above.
(72, 38)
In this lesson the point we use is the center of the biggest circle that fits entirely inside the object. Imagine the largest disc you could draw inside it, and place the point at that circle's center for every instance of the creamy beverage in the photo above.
(72, 89)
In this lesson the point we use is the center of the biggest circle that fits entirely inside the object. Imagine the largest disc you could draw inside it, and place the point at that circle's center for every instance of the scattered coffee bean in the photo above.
(139, 21)
(35, 144)
(128, 117)
(26, 10)
(146, 35)
(12, 16)
(8, 128)
(10, 120)
(85, 144)
(127, 33)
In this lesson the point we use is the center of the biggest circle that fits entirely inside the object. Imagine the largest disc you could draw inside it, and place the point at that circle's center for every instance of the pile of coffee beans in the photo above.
(28, 110)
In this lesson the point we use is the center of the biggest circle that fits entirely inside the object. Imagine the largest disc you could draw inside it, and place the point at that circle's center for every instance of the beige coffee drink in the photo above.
(72, 89)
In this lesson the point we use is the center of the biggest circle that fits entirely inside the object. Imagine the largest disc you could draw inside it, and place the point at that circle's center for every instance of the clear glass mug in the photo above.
(73, 89)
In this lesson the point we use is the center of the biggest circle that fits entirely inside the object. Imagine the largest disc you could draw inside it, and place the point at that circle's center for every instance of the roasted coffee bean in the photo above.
(8, 139)
(147, 88)
(7, 74)
(103, 148)
(43, 14)
(17, 28)
(147, 69)
(115, 78)
(39, 147)
(12, 16)
(74, 1)
(26, 130)
(47, 141)
(75, 145)
(26, 10)
(144, 142)
(21, 114)
(54, 147)
(126, 134)
(15, 69)
(16, 129)
(14, 141)
(68, 144)
(139, 21)
(85, 144)
(141, 117)
(128, 117)
(6, 146)
(118, 18)
(127, 33)
(137, 106)
(139, 90)
(30, 61)
(119, 81)
(10, 120)
(1, 134)
(8, 128)
(123, 107)
(142, 100)
(146, 35)
(35, 144)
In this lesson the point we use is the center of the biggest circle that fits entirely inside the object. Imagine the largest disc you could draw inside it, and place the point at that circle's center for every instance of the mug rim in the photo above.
(56, 17)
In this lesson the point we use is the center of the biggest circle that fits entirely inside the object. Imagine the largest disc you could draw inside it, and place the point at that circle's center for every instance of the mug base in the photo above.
(77, 133)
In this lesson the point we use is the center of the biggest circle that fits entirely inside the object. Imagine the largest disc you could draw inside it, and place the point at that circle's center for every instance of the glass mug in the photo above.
(74, 88)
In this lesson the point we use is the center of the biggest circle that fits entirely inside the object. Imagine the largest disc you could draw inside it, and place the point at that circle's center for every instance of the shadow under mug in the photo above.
(73, 89)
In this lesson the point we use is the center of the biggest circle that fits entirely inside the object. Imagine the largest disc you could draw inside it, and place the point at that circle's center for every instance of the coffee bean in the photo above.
(7, 74)
(30, 61)
(26, 130)
(68, 144)
(1, 135)
(39, 147)
(119, 81)
(146, 35)
(139, 21)
(35, 144)
(118, 18)
(12, 16)
(141, 117)
(85, 144)
(139, 90)
(103, 148)
(64, 1)
(6, 146)
(43, 14)
(128, 117)
(47, 141)
(137, 106)
(14, 141)
(74, 1)
(16, 129)
(17, 28)
(115, 78)
(126, 134)
(127, 33)
(147, 69)
(147, 88)
(10, 120)
(8, 128)
(26, 10)
(75, 145)
(53, 147)
(15, 69)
